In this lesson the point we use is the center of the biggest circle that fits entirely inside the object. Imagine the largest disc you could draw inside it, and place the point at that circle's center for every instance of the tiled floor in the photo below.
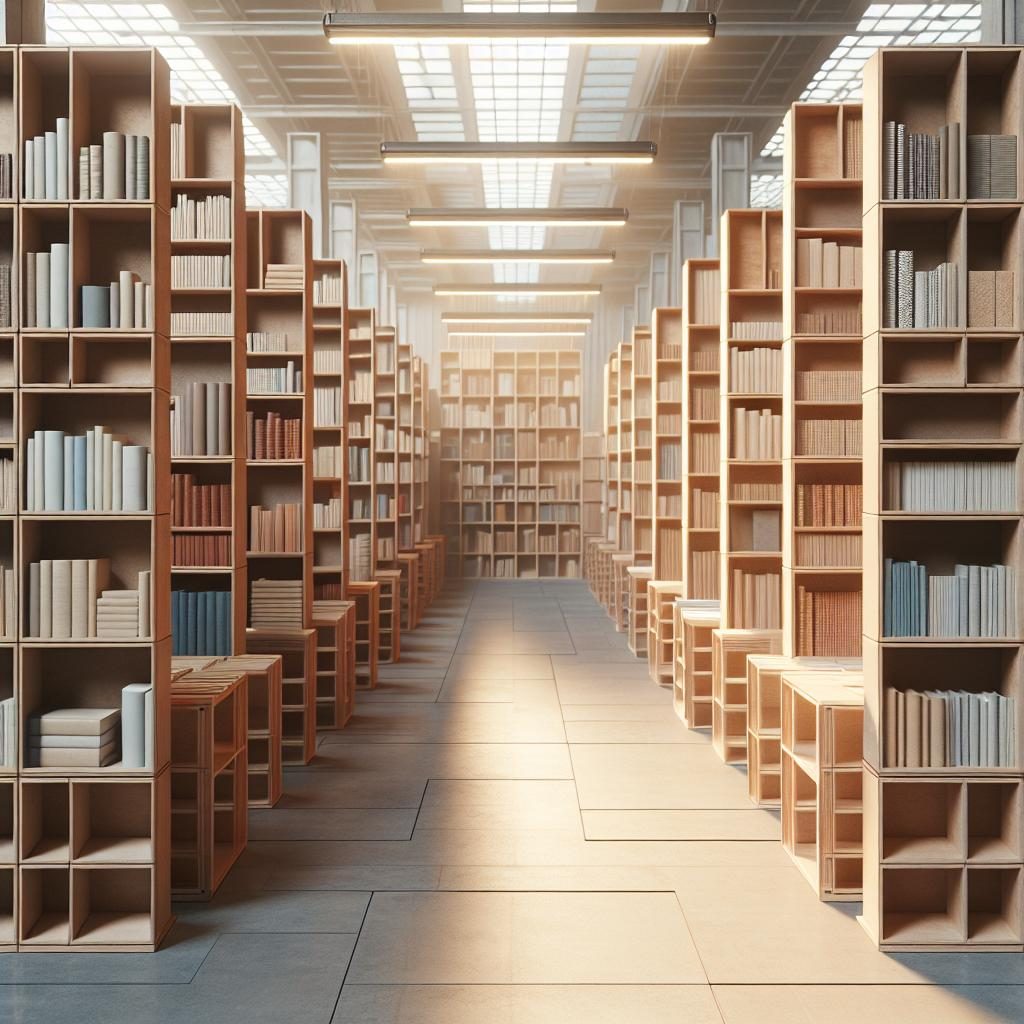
(515, 829)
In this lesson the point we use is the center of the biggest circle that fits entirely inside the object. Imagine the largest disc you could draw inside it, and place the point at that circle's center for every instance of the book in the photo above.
(74, 721)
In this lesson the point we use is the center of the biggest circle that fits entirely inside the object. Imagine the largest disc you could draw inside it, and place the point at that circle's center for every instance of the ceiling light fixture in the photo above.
(563, 256)
(517, 318)
(573, 216)
(518, 152)
(530, 290)
(641, 28)
(517, 334)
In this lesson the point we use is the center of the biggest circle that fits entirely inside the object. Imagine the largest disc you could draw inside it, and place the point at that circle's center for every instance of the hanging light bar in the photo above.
(575, 216)
(563, 256)
(517, 334)
(518, 152)
(518, 289)
(567, 319)
(640, 28)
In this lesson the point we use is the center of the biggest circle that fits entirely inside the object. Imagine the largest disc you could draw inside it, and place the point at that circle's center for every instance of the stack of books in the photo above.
(829, 623)
(949, 486)
(73, 738)
(272, 437)
(201, 325)
(919, 299)
(284, 277)
(360, 557)
(327, 515)
(853, 147)
(194, 504)
(275, 604)
(756, 600)
(828, 550)
(992, 167)
(118, 169)
(949, 729)
(201, 419)
(756, 330)
(828, 385)
(200, 623)
(118, 614)
(327, 290)
(266, 341)
(832, 438)
(755, 371)
(46, 164)
(756, 435)
(205, 220)
(91, 472)
(123, 305)
(47, 287)
(916, 165)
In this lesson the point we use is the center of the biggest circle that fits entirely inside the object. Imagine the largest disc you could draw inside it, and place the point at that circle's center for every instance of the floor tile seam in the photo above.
(462, 626)
(351, 956)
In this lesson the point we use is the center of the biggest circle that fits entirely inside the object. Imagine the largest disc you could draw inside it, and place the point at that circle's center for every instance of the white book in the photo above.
(42, 289)
(113, 165)
(30, 474)
(28, 172)
(79, 598)
(139, 318)
(63, 158)
(134, 725)
(39, 167)
(61, 621)
(105, 443)
(145, 598)
(96, 172)
(90, 470)
(115, 305)
(74, 722)
(39, 740)
(34, 598)
(50, 156)
(60, 253)
(45, 598)
(130, 149)
(68, 501)
(53, 468)
(133, 478)
(116, 466)
(126, 291)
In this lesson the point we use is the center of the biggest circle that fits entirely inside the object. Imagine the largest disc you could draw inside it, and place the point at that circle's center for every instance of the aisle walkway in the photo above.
(515, 829)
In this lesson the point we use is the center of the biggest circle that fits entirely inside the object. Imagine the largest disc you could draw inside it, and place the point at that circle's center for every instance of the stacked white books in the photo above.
(92, 472)
(45, 171)
(327, 290)
(118, 169)
(950, 486)
(8, 733)
(359, 557)
(68, 599)
(207, 219)
(47, 287)
(284, 277)
(275, 604)
(125, 304)
(266, 341)
(73, 738)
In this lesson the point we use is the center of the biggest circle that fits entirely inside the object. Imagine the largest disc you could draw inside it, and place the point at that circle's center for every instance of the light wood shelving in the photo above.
(943, 857)
(334, 622)
(638, 579)
(611, 448)
(661, 600)
(358, 397)
(626, 438)
(668, 430)
(297, 648)
(729, 651)
(697, 697)
(593, 485)
(643, 447)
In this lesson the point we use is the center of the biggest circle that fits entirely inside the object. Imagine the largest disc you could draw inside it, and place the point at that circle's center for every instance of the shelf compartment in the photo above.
(922, 822)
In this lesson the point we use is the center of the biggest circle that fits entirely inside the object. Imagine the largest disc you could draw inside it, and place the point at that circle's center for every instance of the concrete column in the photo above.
(730, 177)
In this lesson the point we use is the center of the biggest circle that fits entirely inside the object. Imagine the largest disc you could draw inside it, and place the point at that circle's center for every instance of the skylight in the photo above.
(430, 90)
(607, 81)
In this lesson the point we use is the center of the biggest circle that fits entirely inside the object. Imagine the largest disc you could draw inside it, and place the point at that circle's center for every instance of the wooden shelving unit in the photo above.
(366, 595)
(389, 627)
(87, 849)
(593, 485)
(822, 777)
(359, 377)
(643, 446)
(297, 648)
(638, 578)
(661, 602)
(421, 451)
(696, 700)
(207, 376)
(624, 474)
(263, 683)
(701, 507)
(334, 622)
(611, 448)
(209, 813)
(511, 462)
(822, 382)
(667, 460)
(384, 446)
(943, 856)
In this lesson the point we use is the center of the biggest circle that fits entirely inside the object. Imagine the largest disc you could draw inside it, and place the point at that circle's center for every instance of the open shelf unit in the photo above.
(643, 448)
(701, 473)
(297, 648)
(420, 452)
(667, 455)
(207, 358)
(661, 601)
(335, 625)
(611, 448)
(86, 850)
(822, 382)
(593, 484)
(624, 475)
(510, 462)
(385, 446)
(692, 623)
(366, 595)
(639, 577)
(943, 856)
(359, 439)
(822, 779)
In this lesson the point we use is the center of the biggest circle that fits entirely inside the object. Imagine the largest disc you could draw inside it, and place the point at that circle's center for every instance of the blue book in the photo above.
(80, 458)
(190, 622)
(200, 623)
(887, 629)
(221, 646)
(922, 601)
(210, 614)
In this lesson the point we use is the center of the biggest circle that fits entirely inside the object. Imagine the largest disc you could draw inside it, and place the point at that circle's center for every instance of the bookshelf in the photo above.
(405, 480)
(593, 485)
(667, 468)
(87, 861)
(822, 378)
(389, 627)
(661, 601)
(263, 683)
(611, 449)
(699, 627)
(638, 577)
(366, 595)
(384, 446)
(359, 376)
(511, 462)
(334, 622)
(208, 304)
(297, 649)
(624, 474)
(942, 849)
(701, 507)
(730, 649)
(421, 450)
(643, 447)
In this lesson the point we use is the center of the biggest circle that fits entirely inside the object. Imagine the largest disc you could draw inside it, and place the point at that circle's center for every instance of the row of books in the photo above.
(384, 437)
(276, 530)
(828, 385)
(272, 437)
(706, 296)
(196, 504)
(756, 599)
(47, 287)
(950, 486)
(563, 513)
(6, 175)
(8, 605)
(949, 729)
(327, 515)
(326, 460)
(91, 472)
(755, 371)
(833, 438)
(918, 165)
(201, 623)
(46, 165)
(828, 550)
(123, 305)
(704, 402)
(115, 170)
(670, 390)
(6, 297)
(267, 341)
(821, 264)
(919, 299)
(212, 549)
(551, 415)
(8, 486)
(671, 422)
(328, 290)
(749, 491)
(704, 452)
(324, 591)
(991, 299)
(992, 167)
(976, 601)
(201, 220)
(828, 623)
(384, 357)
(562, 448)
(70, 599)
(853, 147)
(829, 504)
(704, 579)
(94, 737)
(275, 604)
(201, 419)
(328, 360)
(284, 277)
(704, 360)
(756, 330)
(274, 380)
(670, 461)
(192, 271)
(756, 435)
(670, 553)
(201, 324)
(359, 557)
(830, 321)
(704, 509)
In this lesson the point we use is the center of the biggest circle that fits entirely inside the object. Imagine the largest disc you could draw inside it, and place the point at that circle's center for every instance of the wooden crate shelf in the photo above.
(209, 779)
(729, 651)
(359, 437)
(822, 727)
(638, 613)
(297, 648)
(367, 645)
(593, 485)
(409, 563)
(621, 564)
(389, 625)
(667, 462)
(334, 622)
(661, 598)
(691, 664)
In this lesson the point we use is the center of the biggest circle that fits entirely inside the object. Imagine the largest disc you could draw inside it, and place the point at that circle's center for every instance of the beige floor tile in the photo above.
(322, 823)
(661, 712)
(524, 938)
(668, 729)
(500, 691)
(727, 825)
(526, 1004)
(500, 666)
(518, 644)
(856, 1004)
(504, 804)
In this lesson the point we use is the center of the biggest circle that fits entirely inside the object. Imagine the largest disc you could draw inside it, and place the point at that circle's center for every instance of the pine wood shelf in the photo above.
(693, 622)
(661, 599)
(335, 625)
(297, 650)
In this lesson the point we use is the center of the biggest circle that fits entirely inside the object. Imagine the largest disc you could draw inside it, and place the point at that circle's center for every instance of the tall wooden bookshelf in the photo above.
(942, 844)
(208, 281)
(611, 450)
(593, 484)
(821, 386)
(421, 450)
(86, 849)
(751, 419)
(359, 377)
(384, 445)
(511, 461)
(643, 446)
(701, 505)
(667, 461)
(405, 481)
(624, 519)
(279, 360)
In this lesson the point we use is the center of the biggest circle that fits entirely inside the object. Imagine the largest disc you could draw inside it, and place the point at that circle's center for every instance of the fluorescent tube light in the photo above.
(519, 289)
(517, 334)
(564, 256)
(516, 318)
(578, 216)
(518, 152)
